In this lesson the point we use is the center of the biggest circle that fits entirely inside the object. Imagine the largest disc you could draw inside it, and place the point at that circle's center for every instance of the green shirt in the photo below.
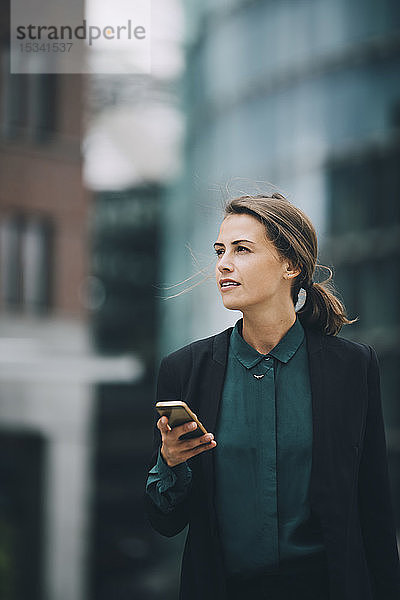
(264, 454)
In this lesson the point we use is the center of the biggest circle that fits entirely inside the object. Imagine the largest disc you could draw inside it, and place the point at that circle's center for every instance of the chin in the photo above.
(232, 305)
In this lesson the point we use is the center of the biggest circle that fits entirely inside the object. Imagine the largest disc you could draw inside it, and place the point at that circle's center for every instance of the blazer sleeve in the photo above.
(172, 523)
(374, 497)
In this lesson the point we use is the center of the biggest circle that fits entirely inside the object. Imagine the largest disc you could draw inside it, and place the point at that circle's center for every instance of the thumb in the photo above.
(163, 425)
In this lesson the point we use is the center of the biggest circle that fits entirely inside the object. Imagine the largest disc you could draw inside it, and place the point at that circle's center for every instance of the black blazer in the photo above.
(349, 488)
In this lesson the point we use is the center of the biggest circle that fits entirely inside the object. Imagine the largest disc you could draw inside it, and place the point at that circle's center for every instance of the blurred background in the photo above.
(111, 189)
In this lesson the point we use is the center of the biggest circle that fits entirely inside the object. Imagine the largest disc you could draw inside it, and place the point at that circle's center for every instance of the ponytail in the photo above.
(322, 309)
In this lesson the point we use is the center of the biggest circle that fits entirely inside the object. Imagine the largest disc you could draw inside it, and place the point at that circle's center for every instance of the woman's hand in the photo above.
(175, 451)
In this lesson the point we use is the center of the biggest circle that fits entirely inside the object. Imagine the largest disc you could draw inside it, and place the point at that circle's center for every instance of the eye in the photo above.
(220, 251)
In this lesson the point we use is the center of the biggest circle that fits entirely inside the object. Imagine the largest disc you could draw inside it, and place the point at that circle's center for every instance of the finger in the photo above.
(163, 425)
(201, 448)
(185, 428)
(190, 444)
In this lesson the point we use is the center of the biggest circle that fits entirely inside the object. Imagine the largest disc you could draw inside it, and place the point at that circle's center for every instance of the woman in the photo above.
(292, 498)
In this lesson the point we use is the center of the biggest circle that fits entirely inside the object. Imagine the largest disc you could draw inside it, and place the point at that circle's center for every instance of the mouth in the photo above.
(228, 284)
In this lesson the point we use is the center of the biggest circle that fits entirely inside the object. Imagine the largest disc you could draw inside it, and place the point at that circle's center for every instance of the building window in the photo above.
(45, 106)
(25, 263)
(364, 192)
(10, 246)
(29, 104)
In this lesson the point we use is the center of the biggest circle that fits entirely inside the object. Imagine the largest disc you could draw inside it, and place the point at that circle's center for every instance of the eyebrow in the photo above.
(234, 243)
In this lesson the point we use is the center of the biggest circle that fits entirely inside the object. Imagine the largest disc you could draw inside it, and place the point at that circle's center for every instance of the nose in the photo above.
(224, 265)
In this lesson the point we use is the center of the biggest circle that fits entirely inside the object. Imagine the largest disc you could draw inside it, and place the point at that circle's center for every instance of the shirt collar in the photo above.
(283, 351)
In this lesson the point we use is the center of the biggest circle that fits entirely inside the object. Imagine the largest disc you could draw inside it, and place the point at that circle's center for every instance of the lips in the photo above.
(226, 284)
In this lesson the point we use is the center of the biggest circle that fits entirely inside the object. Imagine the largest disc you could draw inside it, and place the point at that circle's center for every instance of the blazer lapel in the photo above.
(210, 407)
(315, 346)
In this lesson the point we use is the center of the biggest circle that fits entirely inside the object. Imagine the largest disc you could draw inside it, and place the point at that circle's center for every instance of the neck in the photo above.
(264, 330)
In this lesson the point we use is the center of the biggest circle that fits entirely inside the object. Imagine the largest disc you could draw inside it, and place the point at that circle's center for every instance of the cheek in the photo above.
(264, 275)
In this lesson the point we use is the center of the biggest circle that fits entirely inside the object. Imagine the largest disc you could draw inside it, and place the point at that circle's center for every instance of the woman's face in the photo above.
(259, 277)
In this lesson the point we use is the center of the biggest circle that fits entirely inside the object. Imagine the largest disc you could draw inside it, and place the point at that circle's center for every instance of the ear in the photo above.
(291, 271)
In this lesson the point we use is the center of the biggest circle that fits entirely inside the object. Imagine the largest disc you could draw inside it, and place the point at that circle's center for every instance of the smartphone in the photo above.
(179, 413)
